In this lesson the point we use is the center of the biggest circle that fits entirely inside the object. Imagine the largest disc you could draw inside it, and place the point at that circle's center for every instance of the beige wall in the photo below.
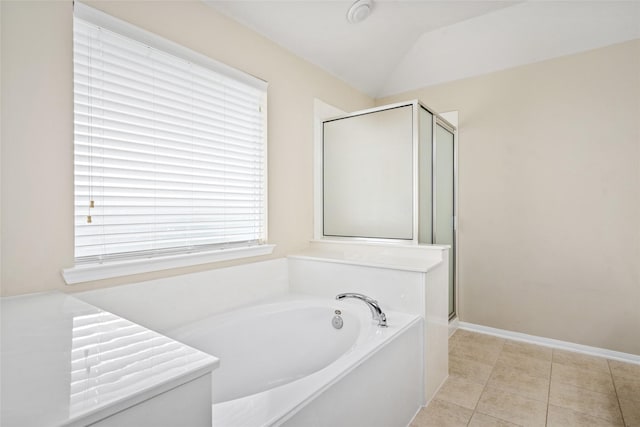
(549, 231)
(37, 131)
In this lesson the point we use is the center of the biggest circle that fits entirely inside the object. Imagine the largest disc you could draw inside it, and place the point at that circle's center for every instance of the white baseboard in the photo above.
(548, 342)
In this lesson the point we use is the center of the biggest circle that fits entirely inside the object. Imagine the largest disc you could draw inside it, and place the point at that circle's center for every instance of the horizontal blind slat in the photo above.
(86, 34)
(156, 236)
(129, 55)
(229, 171)
(134, 97)
(102, 126)
(154, 145)
(198, 126)
(152, 79)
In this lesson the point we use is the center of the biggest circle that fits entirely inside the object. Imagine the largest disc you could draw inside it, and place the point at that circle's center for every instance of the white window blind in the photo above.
(169, 154)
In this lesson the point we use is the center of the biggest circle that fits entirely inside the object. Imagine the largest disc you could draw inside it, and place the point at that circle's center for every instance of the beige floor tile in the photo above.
(469, 369)
(529, 350)
(599, 405)
(485, 339)
(452, 344)
(628, 388)
(589, 379)
(460, 391)
(442, 414)
(478, 351)
(558, 416)
(459, 336)
(529, 365)
(581, 361)
(512, 407)
(513, 380)
(624, 370)
(630, 412)
(482, 420)
(463, 334)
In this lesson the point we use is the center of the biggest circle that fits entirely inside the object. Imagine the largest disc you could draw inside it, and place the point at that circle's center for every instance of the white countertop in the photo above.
(409, 258)
(65, 362)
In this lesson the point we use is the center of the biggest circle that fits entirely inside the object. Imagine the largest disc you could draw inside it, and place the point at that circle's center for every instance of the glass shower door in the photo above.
(444, 202)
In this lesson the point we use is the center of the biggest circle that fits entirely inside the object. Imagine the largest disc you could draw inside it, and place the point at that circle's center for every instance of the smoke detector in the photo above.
(359, 11)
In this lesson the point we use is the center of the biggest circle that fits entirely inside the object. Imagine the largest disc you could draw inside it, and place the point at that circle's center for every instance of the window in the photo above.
(170, 147)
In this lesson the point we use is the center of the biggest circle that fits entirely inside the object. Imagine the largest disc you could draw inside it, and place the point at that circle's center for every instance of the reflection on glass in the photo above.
(368, 175)
(112, 357)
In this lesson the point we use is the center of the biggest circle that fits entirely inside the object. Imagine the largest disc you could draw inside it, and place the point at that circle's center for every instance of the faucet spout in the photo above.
(376, 311)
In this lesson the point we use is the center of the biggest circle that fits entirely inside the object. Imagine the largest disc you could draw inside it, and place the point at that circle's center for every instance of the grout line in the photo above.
(615, 390)
(571, 365)
(546, 421)
(493, 367)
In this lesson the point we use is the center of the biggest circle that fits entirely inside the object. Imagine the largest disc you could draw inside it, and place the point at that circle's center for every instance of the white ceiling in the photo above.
(408, 44)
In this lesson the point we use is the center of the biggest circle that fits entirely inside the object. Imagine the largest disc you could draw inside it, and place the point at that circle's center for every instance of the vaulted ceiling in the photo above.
(408, 44)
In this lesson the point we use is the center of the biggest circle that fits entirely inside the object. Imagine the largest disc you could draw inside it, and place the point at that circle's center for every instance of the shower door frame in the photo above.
(440, 121)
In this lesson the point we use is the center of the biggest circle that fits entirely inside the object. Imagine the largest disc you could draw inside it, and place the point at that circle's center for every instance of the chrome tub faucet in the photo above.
(376, 311)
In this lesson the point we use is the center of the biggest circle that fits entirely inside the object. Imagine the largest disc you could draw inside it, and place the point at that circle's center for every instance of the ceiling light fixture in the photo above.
(359, 11)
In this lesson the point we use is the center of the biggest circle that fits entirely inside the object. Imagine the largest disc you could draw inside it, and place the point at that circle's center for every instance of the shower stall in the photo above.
(389, 174)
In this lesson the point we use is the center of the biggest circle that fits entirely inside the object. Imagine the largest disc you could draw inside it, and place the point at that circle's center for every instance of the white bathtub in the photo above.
(284, 363)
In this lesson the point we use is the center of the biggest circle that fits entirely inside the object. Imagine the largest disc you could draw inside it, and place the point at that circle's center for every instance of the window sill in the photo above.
(89, 272)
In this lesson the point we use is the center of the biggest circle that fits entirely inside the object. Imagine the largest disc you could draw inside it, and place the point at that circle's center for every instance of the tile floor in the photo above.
(498, 382)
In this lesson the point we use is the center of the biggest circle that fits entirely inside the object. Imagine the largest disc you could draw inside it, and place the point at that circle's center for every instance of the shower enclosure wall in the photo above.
(389, 174)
